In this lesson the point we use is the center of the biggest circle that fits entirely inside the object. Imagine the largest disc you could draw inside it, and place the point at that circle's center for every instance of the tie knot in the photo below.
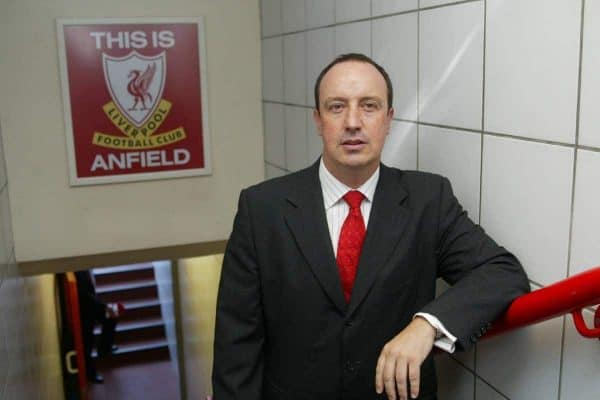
(354, 198)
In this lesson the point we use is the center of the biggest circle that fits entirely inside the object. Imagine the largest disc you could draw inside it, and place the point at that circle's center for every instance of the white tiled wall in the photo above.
(450, 65)
(399, 58)
(585, 248)
(486, 93)
(532, 58)
(459, 161)
(590, 79)
(272, 69)
(400, 148)
(294, 68)
(526, 202)
(353, 38)
(319, 13)
(381, 7)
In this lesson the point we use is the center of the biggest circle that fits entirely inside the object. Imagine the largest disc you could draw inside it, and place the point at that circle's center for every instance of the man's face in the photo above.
(353, 118)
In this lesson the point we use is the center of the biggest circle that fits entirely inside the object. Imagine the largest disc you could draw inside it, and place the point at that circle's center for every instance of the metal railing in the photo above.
(570, 295)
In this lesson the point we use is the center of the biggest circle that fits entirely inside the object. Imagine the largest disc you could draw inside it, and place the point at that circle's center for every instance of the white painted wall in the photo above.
(51, 219)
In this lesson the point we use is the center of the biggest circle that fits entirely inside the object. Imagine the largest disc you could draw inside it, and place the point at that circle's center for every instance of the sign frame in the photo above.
(74, 179)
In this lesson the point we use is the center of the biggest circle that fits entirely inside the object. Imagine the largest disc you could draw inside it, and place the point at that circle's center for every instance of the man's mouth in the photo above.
(353, 144)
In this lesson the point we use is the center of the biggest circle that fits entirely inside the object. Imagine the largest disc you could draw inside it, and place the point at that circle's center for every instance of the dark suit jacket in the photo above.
(283, 328)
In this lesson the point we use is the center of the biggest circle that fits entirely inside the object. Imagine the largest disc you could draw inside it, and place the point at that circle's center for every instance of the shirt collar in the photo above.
(334, 190)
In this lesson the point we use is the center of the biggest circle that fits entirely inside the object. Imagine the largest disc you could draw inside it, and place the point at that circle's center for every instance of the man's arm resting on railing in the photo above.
(484, 277)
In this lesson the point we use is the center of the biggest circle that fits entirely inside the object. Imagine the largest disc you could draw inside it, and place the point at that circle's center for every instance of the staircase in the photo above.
(140, 333)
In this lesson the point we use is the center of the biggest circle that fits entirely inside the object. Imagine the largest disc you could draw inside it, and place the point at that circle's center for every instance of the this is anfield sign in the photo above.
(135, 98)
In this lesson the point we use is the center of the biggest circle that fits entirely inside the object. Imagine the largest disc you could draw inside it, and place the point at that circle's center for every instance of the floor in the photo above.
(149, 381)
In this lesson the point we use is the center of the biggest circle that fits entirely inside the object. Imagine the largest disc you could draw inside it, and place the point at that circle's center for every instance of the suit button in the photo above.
(349, 366)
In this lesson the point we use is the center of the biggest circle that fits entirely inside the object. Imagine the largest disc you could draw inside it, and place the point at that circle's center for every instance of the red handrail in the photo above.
(570, 295)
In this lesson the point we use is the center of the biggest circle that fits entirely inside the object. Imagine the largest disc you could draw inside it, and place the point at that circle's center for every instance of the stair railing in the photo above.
(570, 295)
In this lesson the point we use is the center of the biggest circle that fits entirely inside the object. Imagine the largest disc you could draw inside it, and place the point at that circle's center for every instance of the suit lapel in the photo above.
(307, 220)
(386, 223)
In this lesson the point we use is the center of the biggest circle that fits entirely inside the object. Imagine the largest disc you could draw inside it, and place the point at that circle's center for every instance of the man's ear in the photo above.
(318, 121)
(390, 115)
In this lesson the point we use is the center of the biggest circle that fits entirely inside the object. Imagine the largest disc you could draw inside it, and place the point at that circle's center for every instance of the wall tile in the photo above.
(274, 134)
(451, 60)
(400, 148)
(589, 118)
(485, 392)
(380, 7)
(353, 38)
(3, 354)
(457, 156)
(320, 52)
(273, 172)
(532, 56)
(314, 141)
(295, 138)
(270, 12)
(319, 13)
(272, 69)
(580, 369)
(524, 364)
(6, 236)
(585, 252)
(395, 48)
(2, 160)
(455, 382)
(526, 203)
(294, 68)
(349, 10)
(431, 3)
(293, 15)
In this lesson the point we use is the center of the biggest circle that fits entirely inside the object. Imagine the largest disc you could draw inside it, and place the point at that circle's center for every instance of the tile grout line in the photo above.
(418, 112)
(307, 88)
(574, 181)
(370, 18)
(283, 87)
(482, 138)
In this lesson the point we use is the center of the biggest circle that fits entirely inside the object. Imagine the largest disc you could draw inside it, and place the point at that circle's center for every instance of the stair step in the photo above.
(133, 347)
(137, 304)
(124, 276)
(141, 313)
(137, 352)
(121, 268)
(137, 291)
(134, 325)
(113, 287)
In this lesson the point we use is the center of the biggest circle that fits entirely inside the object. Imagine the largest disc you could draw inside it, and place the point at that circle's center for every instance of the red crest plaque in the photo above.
(134, 95)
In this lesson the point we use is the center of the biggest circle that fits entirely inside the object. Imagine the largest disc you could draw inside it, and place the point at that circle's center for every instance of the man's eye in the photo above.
(336, 107)
(370, 106)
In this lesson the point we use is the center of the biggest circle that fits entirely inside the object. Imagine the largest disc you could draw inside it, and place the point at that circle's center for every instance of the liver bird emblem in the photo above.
(138, 86)
(135, 83)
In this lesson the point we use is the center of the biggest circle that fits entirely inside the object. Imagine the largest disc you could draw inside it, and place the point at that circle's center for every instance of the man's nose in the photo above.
(353, 121)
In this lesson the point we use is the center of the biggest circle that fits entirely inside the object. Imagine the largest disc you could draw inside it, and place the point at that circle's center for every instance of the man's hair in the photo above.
(360, 58)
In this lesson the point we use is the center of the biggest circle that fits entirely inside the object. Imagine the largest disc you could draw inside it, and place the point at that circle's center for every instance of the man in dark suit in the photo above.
(92, 310)
(328, 283)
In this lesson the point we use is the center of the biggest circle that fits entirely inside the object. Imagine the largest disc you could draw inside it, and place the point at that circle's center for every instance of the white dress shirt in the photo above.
(336, 211)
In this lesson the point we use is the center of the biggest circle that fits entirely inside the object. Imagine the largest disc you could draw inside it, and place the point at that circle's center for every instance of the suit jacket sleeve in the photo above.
(485, 277)
(239, 330)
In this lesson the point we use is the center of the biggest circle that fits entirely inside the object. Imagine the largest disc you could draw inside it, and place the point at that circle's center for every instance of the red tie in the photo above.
(351, 240)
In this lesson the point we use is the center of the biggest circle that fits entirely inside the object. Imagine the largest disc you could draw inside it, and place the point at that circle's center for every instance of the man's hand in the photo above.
(401, 359)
